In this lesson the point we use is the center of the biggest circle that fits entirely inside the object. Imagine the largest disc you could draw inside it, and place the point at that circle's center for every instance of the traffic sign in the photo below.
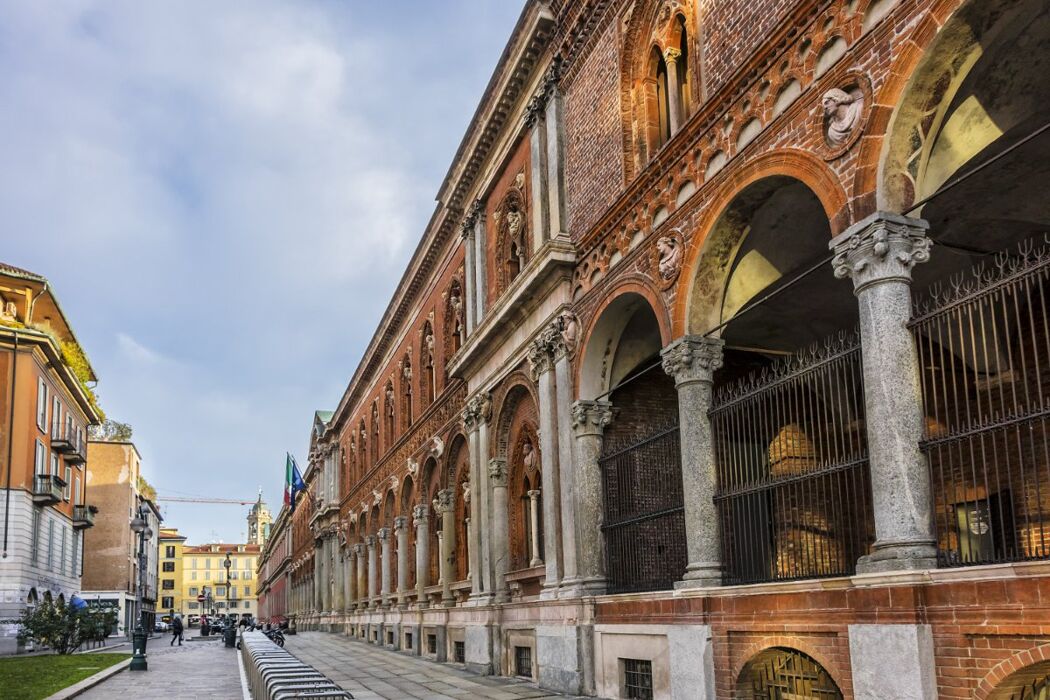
(200, 598)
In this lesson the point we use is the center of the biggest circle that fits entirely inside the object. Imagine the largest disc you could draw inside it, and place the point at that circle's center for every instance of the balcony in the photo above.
(47, 489)
(61, 444)
(84, 517)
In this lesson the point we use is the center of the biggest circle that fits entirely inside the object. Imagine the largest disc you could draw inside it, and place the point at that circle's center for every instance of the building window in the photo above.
(432, 644)
(50, 543)
(76, 553)
(62, 549)
(408, 640)
(247, 591)
(207, 576)
(207, 563)
(193, 564)
(247, 575)
(56, 418)
(637, 678)
(69, 479)
(167, 602)
(35, 553)
(41, 405)
(459, 652)
(523, 662)
(76, 490)
(233, 604)
(193, 590)
(167, 566)
(220, 590)
(233, 575)
(193, 576)
(41, 458)
(193, 605)
(169, 551)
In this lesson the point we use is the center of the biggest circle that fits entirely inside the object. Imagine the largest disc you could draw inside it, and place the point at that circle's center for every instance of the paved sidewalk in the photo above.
(370, 673)
(199, 669)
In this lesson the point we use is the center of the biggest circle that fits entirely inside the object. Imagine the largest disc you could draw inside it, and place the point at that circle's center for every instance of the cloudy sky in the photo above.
(223, 195)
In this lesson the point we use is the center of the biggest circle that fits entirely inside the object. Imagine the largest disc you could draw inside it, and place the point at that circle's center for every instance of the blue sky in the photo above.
(224, 195)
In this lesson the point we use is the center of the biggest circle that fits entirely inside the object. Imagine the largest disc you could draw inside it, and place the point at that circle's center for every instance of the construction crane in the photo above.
(194, 499)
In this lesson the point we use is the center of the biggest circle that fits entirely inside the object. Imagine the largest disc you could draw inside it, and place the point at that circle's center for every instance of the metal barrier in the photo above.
(274, 674)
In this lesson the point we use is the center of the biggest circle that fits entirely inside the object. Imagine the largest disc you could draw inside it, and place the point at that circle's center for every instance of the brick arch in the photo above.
(913, 56)
(839, 675)
(632, 284)
(811, 171)
(1008, 667)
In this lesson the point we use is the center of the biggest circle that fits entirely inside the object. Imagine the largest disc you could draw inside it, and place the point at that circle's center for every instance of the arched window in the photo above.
(362, 452)
(682, 71)
(455, 326)
(406, 391)
(658, 108)
(782, 672)
(512, 239)
(388, 415)
(427, 377)
(375, 432)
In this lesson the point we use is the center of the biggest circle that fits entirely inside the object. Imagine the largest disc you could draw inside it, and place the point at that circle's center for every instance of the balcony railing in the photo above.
(84, 517)
(70, 445)
(47, 489)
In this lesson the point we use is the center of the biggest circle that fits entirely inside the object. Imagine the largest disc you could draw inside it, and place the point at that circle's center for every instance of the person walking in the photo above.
(176, 630)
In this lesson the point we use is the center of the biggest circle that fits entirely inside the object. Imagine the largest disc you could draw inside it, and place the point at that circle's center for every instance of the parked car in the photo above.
(161, 626)
(193, 620)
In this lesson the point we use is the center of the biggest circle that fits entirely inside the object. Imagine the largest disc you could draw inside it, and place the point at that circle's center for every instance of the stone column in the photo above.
(542, 370)
(534, 522)
(384, 566)
(535, 121)
(318, 579)
(339, 598)
(480, 261)
(570, 584)
(484, 407)
(444, 505)
(590, 419)
(370, 542)
(555, 123)
(674, 99)
(692, 362)
(360, 551)
(500, 527)
(401, 533)
(440, 534)
(349, 578)
(421, 517)
(471, 419)
(878, 254)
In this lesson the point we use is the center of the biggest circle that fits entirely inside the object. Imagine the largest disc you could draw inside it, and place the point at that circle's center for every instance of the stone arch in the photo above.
(517, 423)
(701, 285)
(455, 323)
(606, 327)
(1010, 675)
(362, 451)
(459, 482)
(513, 242)
(427, 365)
(407, 502)
(945, 116)
(433, 481)
(407, 414)
(766, 661)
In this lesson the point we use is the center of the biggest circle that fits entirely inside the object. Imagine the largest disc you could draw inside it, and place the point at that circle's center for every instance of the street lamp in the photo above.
(229, 632)
(140, 525)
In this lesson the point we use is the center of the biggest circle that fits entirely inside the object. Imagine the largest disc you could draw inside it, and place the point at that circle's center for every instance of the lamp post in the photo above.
(140, 525)
(229, 631)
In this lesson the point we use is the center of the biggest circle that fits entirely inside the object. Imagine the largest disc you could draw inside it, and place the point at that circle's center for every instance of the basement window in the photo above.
(523, 662)
(459, 652)
(637, 678)
(432, 644)
(408, 640)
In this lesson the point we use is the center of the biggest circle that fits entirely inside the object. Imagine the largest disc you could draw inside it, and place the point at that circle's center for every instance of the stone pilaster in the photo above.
(349, 579)
(542, 363)
(589, 420)
(570, 584)
(339, 590)
(500, 527)
(370, 543)
(401, 534)
(421, 519)
(878, 254)
(480, 586)
(361, 552)
(469, 285)
(692, 362)
(674, 98)
(444, 506)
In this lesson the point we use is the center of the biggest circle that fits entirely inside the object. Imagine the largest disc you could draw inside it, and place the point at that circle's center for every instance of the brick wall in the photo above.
(732, 30)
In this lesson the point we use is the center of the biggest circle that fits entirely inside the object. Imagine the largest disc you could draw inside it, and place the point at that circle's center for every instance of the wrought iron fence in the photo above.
(792, 465)
(984, 349)
(644, 520)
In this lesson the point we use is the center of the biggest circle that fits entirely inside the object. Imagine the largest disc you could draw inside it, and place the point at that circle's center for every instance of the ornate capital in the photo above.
(400, 523)
(420, 514)
(445, 501)
(498, 473)
(359, 550)
(383, 535)
(693, 358)
(671, 54)
(540, 355)
(370, 541)
(470, 219)
(537, 106)
(882, 248)
(534, 494)
(591, 417)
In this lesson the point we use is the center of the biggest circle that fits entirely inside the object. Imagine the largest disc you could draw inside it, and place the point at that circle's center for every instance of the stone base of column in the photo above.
(550, 591)
(701, 575)
(477, 600)
(581, 587)
(898, 556)
(906, 649)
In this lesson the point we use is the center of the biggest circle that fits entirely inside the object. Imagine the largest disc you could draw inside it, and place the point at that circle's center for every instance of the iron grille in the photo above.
(432, 644)
(786, 673)
(792, 465)
(644, 522)
(984, 349)
(638, 679)
(1038, 689)
(523, 662)
(408, 640)
(459, 652)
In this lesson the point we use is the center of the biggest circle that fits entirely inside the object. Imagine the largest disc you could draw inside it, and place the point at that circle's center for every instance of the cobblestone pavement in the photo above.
(370, 673)
(200, 669)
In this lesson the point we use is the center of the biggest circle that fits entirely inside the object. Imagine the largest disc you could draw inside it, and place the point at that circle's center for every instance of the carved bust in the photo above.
(570, 329)
(528, 456)
(670, 251)
(842, 112)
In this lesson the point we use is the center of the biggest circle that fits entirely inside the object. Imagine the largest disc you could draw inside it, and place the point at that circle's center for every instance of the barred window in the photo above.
(638, 678)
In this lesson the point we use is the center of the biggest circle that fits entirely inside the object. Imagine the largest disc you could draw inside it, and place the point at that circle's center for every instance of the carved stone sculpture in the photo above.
(570, 329)
(842, 112)
(670, 252)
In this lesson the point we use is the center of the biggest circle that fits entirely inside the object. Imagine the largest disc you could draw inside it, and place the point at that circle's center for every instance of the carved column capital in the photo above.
(383, 535)
(445, 501)
(359, 549)
(692, 358)
(420, 514)
(470, 219)
(370, 541)
(533, 494)
(540, 355)
(498, 473)
(400, 523)
(671, 54)
(882, 248)
(591, 417)
(477, 410)
(537, 106)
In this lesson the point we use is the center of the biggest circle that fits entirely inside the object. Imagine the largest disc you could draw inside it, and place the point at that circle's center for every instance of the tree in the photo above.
(111, 431)
(62, 626)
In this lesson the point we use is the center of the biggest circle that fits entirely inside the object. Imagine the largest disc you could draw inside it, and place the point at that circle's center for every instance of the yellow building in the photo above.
(204, 573)
(171, 545)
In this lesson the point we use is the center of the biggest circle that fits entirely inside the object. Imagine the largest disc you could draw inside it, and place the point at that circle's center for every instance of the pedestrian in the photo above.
(176, 630)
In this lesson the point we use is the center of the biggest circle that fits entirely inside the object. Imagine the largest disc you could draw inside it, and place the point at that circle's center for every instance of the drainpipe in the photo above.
(10, 443)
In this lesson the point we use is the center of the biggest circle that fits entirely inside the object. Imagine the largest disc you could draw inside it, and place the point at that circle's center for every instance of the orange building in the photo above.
(45, 412)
